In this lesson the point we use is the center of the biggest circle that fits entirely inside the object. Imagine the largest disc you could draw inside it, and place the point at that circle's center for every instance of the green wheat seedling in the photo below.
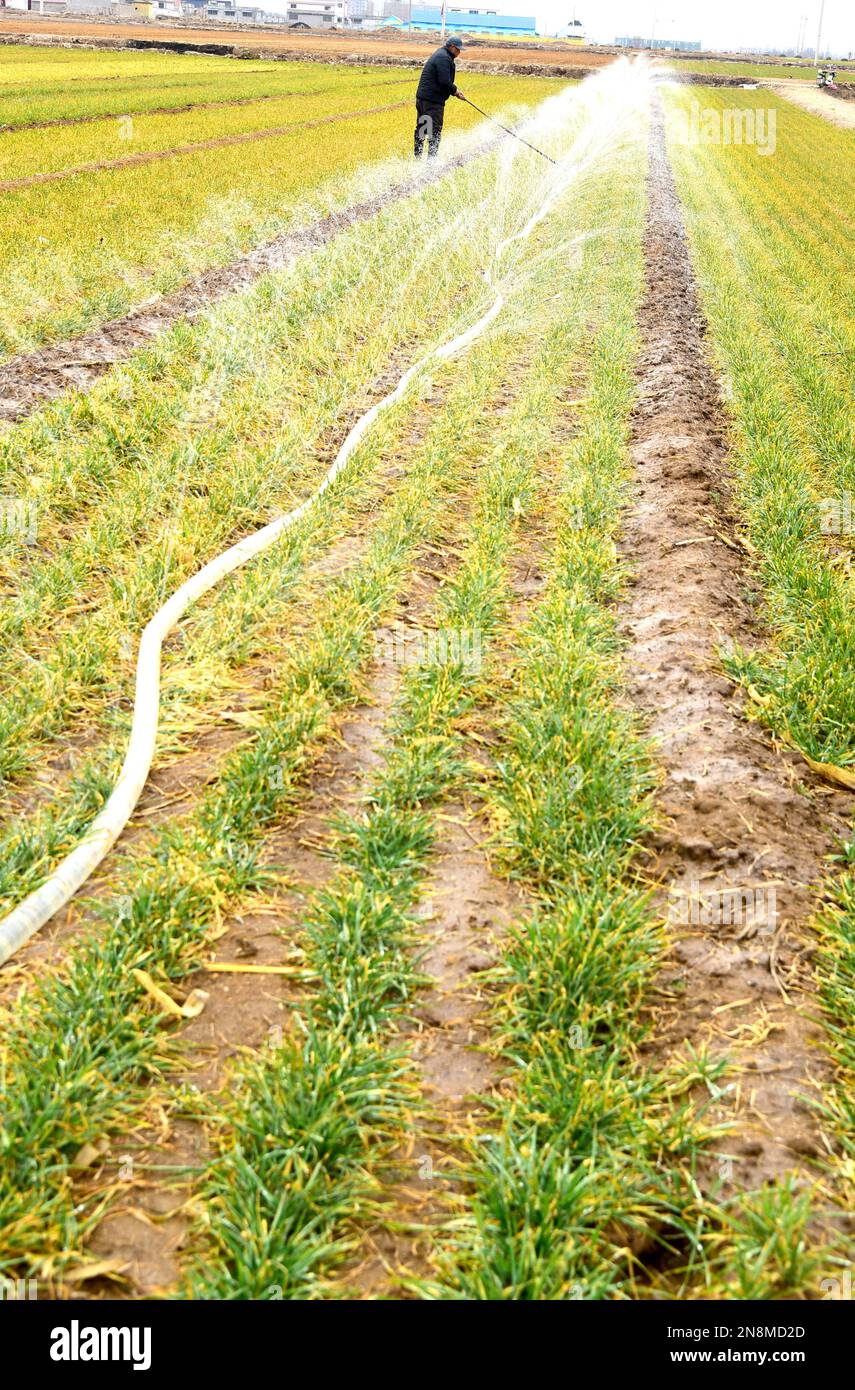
(114, 237)
(83, 1041)
(136, 487)
(267, 1234)
(784, 342)
(588, 1165)
(301, 1131)
(835, 974)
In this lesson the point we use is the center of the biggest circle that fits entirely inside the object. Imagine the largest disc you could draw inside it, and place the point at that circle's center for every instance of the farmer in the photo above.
(436, 85)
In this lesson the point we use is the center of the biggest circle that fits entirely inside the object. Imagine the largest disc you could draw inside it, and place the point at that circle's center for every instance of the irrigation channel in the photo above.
(612, 98)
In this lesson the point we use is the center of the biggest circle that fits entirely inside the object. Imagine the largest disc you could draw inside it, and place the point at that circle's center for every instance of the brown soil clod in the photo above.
(742, 843)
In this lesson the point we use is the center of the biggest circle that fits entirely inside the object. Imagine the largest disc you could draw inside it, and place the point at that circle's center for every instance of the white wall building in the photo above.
(316, 14)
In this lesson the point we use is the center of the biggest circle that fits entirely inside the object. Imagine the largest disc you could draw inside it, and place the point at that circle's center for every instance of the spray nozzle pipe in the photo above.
(488, 117)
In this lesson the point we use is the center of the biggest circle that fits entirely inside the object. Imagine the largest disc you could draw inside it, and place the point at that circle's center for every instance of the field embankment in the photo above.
(809, 97)
(328, 47)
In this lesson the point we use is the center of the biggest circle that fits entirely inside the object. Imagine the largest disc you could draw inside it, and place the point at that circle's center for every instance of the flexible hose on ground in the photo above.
(73, 871)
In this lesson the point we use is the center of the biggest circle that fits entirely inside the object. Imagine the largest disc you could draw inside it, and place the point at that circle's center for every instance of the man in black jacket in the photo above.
(436, 85)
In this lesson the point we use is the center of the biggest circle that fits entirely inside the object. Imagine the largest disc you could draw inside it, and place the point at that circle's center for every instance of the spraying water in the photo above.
(510, 198)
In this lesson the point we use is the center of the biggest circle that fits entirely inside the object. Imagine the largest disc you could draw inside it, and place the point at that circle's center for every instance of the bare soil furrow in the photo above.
(175, 151)
(743, 842)
(103, 116)
(465, 916)
(30, 380)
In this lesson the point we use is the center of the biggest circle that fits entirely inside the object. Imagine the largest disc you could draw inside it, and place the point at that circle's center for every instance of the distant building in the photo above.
(229, 12)
(158, 9)
(374, 13)
(574, 32)
(77, 7)
(57, 7)
(685, 45)
(312, 14)
(466, 21)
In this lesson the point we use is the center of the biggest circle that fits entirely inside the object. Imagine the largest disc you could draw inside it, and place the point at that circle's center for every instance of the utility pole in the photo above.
(819, 29)
(442, 17)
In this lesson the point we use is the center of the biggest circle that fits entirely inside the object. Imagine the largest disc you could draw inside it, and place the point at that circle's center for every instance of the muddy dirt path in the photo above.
(27, 382)
(742, 843)
(247, 137)
(465, 918)
(809, 97)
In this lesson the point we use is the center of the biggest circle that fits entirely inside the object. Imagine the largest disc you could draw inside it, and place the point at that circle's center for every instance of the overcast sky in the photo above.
(717, 23)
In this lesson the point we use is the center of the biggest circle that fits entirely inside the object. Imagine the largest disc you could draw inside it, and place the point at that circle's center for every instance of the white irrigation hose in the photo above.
(73, 871)
(30, 915)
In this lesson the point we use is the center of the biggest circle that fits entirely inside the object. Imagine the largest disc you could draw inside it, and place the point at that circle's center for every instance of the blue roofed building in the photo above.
(469, 21)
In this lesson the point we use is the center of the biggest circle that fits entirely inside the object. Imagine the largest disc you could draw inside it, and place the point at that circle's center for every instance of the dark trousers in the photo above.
(429, 118)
